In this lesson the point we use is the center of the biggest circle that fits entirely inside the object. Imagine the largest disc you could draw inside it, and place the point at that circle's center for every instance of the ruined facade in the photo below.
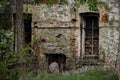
(69, 34)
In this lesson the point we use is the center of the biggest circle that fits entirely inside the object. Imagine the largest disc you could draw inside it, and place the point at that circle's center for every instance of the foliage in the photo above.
(3, 5)
(92, 4)
(9, 57)
(6, 56)
(78, 2)
(50, 2)
(104, 4)
(26, 17)
(88, 75)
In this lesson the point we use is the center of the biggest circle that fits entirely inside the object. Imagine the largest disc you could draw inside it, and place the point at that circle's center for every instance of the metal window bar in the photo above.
(91, 37)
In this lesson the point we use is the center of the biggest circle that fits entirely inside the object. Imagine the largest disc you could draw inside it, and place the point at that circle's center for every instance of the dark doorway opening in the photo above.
(59, 58)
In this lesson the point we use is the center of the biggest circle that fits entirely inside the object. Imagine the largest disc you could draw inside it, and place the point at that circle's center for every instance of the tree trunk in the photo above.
(19, 26)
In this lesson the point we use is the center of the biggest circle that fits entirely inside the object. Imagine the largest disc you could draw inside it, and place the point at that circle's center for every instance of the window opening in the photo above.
(90, 35)
(27, 28)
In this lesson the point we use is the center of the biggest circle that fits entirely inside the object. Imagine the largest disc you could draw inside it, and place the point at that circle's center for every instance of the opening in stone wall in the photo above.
(90, 35)
(59, 58)
(27, 28)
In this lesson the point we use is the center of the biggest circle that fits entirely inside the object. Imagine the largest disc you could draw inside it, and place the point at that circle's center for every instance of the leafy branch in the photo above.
(3, 5)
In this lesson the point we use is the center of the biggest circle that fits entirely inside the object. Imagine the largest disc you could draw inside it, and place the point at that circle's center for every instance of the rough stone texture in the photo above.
(55, 16)
(109, 45)
(114, 12)
(57, 40)
(57, 29)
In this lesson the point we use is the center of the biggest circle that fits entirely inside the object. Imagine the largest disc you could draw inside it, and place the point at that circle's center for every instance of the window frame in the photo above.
(83, 35)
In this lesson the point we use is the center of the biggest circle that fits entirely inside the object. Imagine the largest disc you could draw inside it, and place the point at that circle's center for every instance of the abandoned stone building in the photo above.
(68, 34)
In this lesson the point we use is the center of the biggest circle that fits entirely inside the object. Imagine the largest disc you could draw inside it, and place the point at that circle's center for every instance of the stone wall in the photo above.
(57, 29)
(55, 41)
(109, 36)
(108, 43)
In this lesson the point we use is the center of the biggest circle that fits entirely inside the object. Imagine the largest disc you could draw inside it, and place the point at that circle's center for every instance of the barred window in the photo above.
(90, 35)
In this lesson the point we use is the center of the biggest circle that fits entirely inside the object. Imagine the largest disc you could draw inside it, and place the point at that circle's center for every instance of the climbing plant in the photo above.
(92, 4)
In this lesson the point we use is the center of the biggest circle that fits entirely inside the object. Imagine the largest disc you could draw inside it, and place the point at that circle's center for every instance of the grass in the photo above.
(89, 75)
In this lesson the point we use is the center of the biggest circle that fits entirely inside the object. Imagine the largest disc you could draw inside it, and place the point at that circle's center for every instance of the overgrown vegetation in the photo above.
(89, 75)
(3, 5)
(8, 57)
(92, 4)
(9, 60)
